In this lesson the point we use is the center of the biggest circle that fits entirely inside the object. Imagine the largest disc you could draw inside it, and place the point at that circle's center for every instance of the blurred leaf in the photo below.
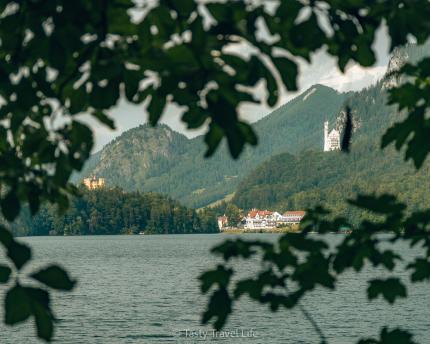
(54, 277)
(390, 289)
(5, 273)
(308, 34)
(347, 132)
(421, 269)
(104, 118)
(17, 305)
(131, 82)
(156, 108)
(221, 276)
(396, 336)
(40, 304)
(33, 200)
(213, 138)
(10, 205)
(44, 322)
(219, 308)
(288, 71)
(6, 237)
(18, 253)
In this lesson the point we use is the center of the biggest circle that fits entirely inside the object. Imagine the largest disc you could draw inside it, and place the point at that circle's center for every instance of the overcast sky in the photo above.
(321, 70)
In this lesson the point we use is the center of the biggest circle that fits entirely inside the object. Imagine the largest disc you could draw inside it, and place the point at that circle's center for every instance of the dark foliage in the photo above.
(60, 58)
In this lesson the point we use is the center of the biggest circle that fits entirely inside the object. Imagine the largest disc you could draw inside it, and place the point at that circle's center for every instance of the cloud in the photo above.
(354, 79)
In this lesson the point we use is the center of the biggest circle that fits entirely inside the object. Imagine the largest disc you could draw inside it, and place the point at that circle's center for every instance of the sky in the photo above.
(322, 70)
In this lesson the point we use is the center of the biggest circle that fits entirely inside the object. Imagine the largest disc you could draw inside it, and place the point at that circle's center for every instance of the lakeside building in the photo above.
(293, 217)
(331, 139)
(259, 219)
(222, 222)
(265, 219)
(94, 183)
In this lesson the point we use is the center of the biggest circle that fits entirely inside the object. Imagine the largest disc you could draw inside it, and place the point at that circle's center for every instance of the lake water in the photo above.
(143, 289)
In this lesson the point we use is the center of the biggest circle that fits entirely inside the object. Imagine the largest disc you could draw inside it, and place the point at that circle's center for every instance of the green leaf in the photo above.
(106, 96)
(390, 289)
(5, 273)
(421, 269)
(220, 276)
(182, 59)
(347, 132)
(17, 305)
(54, 277)
(18, 253)
(131, 82)
(396, 336)
(6, 237)
(184, 7)
(307, 34)
(33, 197)
(156, 107)
(288, 71)
(22, 302)
(272, 88)
(194, 118)
(213, 138)
(44, 321)
(40, 308)
(104, 118)
(220, 306)
(219, 11)
(78, 98)
(10, 205)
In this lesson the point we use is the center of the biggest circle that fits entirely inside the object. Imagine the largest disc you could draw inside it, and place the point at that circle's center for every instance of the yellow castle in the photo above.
(94, 183)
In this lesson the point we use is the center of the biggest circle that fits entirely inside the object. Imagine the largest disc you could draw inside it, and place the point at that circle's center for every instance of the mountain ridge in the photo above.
(162, 160)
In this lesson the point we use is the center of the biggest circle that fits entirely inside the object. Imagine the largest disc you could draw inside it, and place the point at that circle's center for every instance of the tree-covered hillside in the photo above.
(113, 211)
(161, 160)
(300, 181)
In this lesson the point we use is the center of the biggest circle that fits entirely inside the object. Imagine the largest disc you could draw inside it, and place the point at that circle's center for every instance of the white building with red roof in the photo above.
(292, 217)
(260, 219)
(266, 219)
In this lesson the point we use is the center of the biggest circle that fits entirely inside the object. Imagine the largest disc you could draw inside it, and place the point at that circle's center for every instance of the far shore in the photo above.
(236, 230)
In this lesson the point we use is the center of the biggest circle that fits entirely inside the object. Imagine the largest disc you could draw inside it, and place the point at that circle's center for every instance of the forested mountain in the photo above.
(313, 177)
(161, 160)
(113, 211)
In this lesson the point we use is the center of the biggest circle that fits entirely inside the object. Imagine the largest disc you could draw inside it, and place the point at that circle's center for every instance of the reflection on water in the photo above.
(143, 289)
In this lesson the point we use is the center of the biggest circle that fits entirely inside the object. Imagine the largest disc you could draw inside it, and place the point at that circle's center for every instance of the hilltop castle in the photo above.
(94, 183)
(331, 139)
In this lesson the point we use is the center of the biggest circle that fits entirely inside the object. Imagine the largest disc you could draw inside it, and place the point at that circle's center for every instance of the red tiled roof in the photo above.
(253, 213)
(295, 213)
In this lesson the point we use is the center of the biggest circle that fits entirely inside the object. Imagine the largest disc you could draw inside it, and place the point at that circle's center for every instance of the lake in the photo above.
(143, 289)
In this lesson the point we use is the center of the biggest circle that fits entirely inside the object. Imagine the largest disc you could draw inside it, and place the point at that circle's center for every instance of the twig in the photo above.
(314, 324)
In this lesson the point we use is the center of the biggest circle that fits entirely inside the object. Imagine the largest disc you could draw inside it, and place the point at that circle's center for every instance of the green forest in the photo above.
(113, 211)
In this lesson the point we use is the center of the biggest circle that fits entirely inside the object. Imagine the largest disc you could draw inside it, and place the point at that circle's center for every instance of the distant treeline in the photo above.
(113, 211)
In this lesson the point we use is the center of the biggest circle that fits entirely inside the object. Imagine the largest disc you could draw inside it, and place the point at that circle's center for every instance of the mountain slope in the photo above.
(161, 160)
(314, 177)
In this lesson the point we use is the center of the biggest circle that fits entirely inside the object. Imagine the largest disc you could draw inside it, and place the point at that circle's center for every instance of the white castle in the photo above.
(331, 139)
